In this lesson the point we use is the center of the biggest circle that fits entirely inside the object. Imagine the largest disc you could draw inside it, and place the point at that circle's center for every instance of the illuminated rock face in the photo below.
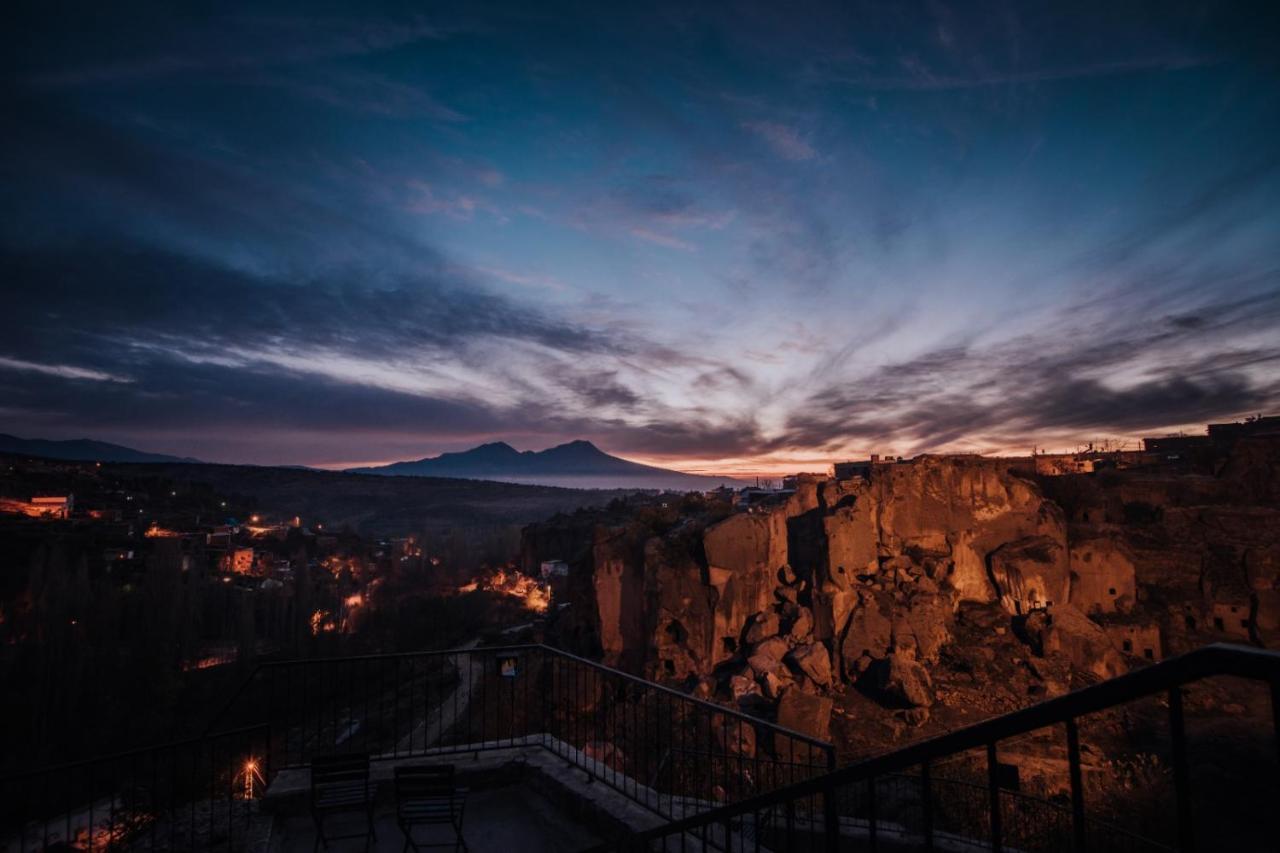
(1103, 577)
(932, 576)
(1030, 574)
(808, 594)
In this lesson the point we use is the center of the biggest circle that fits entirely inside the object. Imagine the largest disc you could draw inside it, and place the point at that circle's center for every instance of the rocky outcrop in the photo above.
(905, 681)
(859, 582)
(804, 713)
(1082, 642)
(1103, 577)
(1030, 573)
(845, 580)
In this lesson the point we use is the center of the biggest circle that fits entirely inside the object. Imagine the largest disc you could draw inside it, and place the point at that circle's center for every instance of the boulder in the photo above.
(772, 647)
(1081, 641)
(762, 664)
(802, 625)
(763, 626)
(743, 554)
(805, 713)
(773, 684)
(743, 687)
(925, 622)
(814, 661)
(905, 681)
(870, 629)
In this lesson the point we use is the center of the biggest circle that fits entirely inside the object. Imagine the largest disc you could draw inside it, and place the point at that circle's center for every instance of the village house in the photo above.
(1231, 615)
(1135, 637)
(40, 506)
(1103, 578)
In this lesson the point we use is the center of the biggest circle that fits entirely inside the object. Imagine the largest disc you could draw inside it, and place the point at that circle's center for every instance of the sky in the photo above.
(747, 238)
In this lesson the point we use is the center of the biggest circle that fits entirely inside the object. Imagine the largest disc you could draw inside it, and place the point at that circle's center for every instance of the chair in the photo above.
(340, 783)
(426, 796)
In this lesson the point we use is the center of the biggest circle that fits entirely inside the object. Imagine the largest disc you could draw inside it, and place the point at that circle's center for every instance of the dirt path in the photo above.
(453, 707)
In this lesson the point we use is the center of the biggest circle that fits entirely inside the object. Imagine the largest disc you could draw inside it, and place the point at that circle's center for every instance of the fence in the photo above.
(672, 752)
(193, 794)
(830, 812)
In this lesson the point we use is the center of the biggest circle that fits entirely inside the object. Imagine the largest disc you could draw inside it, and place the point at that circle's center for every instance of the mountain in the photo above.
(578, 464)
(81, 450)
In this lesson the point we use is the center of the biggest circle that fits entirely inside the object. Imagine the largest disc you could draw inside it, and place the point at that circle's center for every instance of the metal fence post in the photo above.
(1078, 834)
(1181, 770)
(993, 788)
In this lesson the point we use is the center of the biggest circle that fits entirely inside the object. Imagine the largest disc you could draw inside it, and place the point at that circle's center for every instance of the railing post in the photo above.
(830, 817)
(1077, 787)
(1181, 771)
(926, 804)
(1275, 716)
(993, 789)
(873, 835)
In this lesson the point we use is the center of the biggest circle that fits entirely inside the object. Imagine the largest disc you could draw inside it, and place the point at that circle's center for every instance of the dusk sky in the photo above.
(742, 239)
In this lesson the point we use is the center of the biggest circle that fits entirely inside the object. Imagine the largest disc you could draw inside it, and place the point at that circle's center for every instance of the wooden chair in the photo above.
(339, 784)
(426, 796)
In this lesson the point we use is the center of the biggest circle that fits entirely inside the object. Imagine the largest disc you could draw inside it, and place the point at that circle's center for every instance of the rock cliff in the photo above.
(863, 584)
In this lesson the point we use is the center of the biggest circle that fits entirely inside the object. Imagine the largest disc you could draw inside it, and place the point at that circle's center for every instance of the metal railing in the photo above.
(674, 753)
(961, 810)
(821, 813)
(194, 794)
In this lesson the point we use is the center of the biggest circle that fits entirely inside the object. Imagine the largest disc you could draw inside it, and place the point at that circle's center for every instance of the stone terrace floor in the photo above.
(502, 820)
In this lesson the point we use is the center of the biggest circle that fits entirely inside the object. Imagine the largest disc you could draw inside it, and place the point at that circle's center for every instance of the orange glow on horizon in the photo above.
(779, 464)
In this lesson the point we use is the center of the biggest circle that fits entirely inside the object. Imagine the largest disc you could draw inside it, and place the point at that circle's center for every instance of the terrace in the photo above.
(560, 753)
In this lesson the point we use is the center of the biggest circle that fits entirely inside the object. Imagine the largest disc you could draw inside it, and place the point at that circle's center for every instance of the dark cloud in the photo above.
(364, 234)
(79, 306)
(1183, 373)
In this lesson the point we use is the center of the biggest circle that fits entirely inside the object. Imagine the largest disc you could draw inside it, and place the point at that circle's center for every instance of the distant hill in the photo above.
(578, 464)
(381, 506)
(81, 450)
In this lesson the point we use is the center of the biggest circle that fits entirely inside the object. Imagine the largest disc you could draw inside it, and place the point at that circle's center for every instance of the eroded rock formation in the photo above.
(859, 584)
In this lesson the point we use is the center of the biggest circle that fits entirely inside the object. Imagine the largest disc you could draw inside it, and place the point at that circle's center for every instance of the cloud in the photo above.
(663, 239)
(425, 199)
(1095, 376)
(661, 209)
(64, 370)
(785, 141)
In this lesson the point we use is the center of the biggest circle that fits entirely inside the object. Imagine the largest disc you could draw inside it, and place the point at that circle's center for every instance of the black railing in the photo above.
(961, 810)
(821, 813)
(674, 753)
(195, 794)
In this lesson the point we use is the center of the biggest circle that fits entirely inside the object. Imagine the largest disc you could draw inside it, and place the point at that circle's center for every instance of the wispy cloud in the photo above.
(666, 240)
(65, 371)
(784, 141)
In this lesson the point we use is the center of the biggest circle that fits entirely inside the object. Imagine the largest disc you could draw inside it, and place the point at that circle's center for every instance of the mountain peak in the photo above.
(579, 447)
(493, 447)
(577, 462)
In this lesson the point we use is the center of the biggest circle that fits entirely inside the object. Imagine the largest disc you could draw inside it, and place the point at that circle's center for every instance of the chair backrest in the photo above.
(424, 780)
(329, 770)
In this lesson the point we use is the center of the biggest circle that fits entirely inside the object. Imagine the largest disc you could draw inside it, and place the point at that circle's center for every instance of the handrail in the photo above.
(1040, 801)
(193, 793)
(130, 753)
(599, 667)
(1213, 660)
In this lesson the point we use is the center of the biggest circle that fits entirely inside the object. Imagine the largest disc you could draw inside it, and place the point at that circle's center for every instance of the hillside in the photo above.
(380, 505)
(81, 449)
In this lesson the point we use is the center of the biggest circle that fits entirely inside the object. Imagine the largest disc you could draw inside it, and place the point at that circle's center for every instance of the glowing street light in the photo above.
(252, 774)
